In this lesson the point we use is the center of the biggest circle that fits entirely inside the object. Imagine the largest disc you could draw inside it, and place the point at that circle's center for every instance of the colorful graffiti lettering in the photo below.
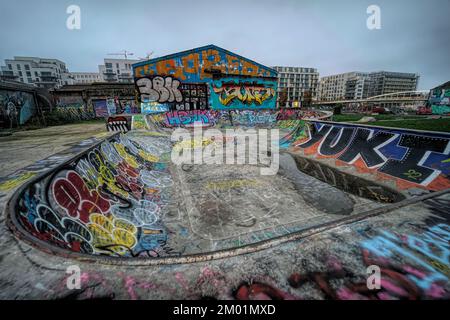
(16, 108)
(153, 107)
(196, 65)
(159, 89)
(138, 122)
(164, 93)
(226, 118)
(108, 202)
(410, 158)
(236, 93)
(13, 182)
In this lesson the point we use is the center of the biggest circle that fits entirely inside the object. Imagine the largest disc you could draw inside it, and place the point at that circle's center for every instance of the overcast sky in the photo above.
(330, 35)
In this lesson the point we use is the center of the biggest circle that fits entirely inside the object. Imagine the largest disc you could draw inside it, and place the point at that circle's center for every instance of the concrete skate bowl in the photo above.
(124, 201)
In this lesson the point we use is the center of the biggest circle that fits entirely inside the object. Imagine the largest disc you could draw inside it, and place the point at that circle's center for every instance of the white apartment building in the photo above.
(84, 77)
(334, 87)
(117, 70)
(295, 82)
(40, 72)
(360, 85)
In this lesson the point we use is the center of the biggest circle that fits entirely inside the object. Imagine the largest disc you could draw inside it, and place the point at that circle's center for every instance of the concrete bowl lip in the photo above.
(22, 234)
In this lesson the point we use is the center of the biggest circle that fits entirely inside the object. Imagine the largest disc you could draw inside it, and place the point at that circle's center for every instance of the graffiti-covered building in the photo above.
(207, 77)
(96, 99)
(439, 99)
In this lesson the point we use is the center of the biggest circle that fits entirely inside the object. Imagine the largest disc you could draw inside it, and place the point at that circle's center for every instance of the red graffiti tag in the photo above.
(74, 196)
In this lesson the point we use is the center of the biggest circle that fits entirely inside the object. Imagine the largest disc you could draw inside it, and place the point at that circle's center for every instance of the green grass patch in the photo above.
(442, 124)
(356, 117)
(416, 122)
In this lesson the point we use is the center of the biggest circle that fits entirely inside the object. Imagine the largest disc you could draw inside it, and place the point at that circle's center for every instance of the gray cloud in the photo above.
(329, 35)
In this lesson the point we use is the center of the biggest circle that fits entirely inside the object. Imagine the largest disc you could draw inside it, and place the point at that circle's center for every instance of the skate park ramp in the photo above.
(124, 199)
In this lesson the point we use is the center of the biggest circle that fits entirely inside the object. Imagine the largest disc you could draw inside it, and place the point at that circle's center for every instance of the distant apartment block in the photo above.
(40, 72)
(296, 84)
(360, 85)
(84, 77)
(117, 70)
(385, 82)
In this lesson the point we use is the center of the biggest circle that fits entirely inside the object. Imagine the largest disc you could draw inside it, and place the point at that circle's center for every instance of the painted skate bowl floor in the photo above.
(125, 199)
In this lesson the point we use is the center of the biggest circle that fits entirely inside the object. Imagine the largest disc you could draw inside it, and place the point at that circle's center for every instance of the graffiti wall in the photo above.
(184, 81)
(113, 106)
(244, 93)
(118, 124)
(69, 102)
(16, 108)
(282, 118)
(410, 158)
(168, 93)
(153, 107)
(108, 202)
(439, 100)
(100, 108)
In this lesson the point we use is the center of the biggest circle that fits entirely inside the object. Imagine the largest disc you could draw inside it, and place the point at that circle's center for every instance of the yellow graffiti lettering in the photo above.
(126, 156)
(16, 181)
(229, 184)
(245, 94)
(111, 234)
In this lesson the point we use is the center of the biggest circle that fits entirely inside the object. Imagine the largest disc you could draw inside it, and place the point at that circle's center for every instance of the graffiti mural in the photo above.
(153, 107)
(75, 113)
(184, 118)
(113, 106)
(138, 122)
(184, 81)
(108, 202)
(118, 123)
(166, 93)
(159, 89)
(16, 108)
(411, 158)
(439, 100)
(287, 119)
(100, 108)
(241, 93)
(69, 102)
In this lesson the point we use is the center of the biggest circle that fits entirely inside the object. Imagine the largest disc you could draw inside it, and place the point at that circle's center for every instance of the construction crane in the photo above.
(124, 53)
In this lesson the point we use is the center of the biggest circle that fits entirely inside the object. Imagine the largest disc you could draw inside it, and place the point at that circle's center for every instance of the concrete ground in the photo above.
(23, 148)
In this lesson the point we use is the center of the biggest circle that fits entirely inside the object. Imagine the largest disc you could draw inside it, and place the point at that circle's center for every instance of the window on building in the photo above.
(18, 67)
(28, 73)
(30, 80)
(20, 73)
(27, 67)
(9, 66)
